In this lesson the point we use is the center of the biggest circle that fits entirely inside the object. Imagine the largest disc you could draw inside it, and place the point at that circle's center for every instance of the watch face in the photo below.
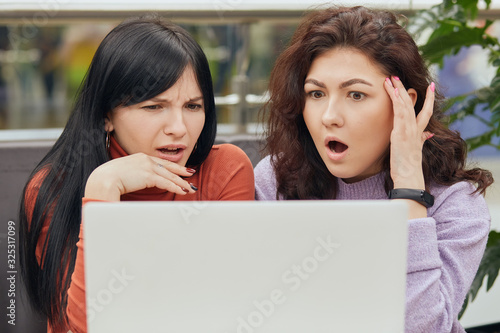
(428, 198)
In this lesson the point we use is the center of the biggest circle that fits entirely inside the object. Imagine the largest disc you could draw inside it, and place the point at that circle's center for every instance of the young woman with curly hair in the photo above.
(354, 114)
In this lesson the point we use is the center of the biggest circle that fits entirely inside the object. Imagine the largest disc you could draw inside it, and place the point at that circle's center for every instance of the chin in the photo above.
(339, 174)
(343, 174)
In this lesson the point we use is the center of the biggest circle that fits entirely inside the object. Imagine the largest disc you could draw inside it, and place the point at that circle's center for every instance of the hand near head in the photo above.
(408, 134)
(407, 139)
(136, 172)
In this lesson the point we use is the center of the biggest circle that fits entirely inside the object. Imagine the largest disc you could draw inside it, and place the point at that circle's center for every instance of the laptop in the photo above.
(245, 267)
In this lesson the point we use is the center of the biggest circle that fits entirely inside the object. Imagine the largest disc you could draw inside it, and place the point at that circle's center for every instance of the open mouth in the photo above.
(170, 151)
(337, 147)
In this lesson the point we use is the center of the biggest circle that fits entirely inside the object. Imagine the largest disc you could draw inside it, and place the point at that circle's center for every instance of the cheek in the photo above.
(196, 123)
(383, 118)
(380, 132)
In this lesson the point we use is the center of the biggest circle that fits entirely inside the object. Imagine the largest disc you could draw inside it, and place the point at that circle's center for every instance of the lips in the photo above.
(336, 149)
(172, 153)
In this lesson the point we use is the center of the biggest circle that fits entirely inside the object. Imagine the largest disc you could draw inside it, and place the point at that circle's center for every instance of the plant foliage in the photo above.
(453, 25)
(489, 267)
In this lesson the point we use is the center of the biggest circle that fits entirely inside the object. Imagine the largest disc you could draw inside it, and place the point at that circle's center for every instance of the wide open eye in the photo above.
(356, 95)
(316, 94)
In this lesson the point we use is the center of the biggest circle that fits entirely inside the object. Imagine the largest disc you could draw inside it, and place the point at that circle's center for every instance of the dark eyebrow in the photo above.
(342, 85)
(194, 99)
(317, 83)
(352, 82)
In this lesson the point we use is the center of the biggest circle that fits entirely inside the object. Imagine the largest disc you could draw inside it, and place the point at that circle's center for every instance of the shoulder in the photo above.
(226, 174)
(227, 154)
(39, 176)
(264, 168)
(225, 162)
(265, 180)
(32, 190)
(34, 183)
(460, 202)
(460, 195)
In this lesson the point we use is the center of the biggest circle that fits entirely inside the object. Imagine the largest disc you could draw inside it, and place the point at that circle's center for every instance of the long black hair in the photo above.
(137, 60)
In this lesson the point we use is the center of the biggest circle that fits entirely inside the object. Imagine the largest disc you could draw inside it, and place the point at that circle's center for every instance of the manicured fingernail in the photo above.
(433, 86)
(430, 136)
(389, 81)
(190, 170)
(193, 187)
(396, 78)
(185, 190)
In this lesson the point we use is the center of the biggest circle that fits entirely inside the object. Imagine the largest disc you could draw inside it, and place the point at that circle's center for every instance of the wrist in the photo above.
(414, 182)
(415, 210)
(420, 196)
(101, 189)
(412, 178)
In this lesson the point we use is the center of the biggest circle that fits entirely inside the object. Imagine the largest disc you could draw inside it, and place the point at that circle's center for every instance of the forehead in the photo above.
(188, 76)
(186, 84)
(345, 61)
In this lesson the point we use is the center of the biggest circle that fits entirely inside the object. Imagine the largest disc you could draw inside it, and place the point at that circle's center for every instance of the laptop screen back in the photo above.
(244, 267)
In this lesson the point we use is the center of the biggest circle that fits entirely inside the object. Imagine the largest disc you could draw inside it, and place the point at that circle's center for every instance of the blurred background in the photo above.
(45, 53)
(46, 47)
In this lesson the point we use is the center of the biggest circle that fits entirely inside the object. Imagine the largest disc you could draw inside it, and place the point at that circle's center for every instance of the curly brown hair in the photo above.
(300, 171)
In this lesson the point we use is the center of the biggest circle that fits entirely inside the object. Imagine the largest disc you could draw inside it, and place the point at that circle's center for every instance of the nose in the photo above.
(175, 123)
(332, 115)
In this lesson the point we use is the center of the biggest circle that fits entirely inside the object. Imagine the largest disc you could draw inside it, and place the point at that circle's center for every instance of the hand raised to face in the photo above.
(136, 172)
(408, 134)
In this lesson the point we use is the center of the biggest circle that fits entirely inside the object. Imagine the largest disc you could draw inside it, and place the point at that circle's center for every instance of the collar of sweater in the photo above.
(371, 188)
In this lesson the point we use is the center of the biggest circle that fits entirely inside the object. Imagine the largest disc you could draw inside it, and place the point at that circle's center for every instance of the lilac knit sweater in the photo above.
(444, 249)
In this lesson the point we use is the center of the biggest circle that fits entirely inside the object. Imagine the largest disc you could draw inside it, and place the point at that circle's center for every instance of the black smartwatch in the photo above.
(420, 196)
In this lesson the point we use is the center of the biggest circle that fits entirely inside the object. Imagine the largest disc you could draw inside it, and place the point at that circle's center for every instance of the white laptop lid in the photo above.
(244, 267)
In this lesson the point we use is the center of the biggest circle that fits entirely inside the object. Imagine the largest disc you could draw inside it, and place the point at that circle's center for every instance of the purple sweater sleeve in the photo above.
(444, 251)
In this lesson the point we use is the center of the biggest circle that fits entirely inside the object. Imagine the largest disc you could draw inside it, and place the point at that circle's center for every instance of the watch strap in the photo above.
(421, 196)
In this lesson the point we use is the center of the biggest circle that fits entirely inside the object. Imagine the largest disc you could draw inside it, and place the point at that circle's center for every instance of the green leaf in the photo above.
(492, 257)
(495, 104)
(464, 306)
(469, 6)
(444, 29)
(451, 101)
(466, 105)
(480, 140)
(452, 42)
(491, 278)
(489, 266)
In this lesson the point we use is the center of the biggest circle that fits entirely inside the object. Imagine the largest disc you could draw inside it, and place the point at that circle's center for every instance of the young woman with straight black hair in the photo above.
(143, 128)
(353, 115)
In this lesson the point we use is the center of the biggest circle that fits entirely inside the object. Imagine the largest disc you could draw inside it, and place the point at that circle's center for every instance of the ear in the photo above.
(108, 124)
(413, 95)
